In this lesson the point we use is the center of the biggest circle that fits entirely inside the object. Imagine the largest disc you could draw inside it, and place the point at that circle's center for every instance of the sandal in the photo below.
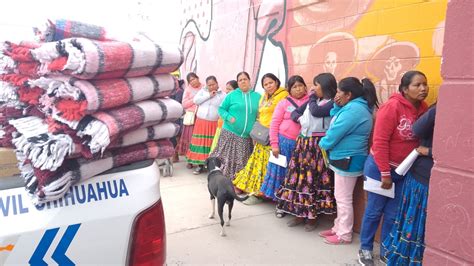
(280, 214)
(295, 222)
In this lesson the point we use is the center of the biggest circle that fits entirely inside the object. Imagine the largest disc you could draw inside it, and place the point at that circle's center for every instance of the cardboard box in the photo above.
(8, 163)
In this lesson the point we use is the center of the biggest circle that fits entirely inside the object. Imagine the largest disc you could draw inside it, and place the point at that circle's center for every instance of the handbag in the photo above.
(342, 164)
(189, 117)
(260, 134)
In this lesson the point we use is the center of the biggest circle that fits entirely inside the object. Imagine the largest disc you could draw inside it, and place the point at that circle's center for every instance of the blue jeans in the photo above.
(378, 205)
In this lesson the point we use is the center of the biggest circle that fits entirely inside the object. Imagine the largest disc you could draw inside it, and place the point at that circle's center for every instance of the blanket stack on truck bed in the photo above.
(76, 107)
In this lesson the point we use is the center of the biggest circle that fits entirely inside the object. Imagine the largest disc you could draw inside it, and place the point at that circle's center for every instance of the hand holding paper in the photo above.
(280, 160)
(375, 186)
(403, 168)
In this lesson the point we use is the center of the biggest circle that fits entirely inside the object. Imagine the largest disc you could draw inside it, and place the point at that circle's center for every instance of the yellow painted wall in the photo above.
(416, 21)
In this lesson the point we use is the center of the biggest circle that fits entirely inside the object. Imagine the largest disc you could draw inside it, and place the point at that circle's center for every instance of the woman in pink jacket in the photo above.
(194, 85)
(283, 133)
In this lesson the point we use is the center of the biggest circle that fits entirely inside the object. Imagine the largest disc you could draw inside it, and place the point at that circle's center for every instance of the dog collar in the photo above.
(215, 169)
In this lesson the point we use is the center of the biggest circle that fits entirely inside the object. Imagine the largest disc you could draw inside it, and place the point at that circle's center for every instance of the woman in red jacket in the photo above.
(393, 140)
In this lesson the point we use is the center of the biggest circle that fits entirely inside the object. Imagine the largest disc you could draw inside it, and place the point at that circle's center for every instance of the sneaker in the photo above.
(366, 258)
(198, 170)
(326, 233)
(336, 240)
(252, 200)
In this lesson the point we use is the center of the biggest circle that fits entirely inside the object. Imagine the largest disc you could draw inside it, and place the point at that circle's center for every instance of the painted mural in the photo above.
(379, 39)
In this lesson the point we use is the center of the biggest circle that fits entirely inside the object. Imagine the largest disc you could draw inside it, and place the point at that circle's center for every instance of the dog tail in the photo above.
(236, 197)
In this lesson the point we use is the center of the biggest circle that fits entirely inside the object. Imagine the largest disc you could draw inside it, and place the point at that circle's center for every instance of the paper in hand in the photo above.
(403, 168)
(375, 186)
(281, 160)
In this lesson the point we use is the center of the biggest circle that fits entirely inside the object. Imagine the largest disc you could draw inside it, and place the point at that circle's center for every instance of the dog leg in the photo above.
(213, 206)
(223, 231)
(231, 205)
(220, 211)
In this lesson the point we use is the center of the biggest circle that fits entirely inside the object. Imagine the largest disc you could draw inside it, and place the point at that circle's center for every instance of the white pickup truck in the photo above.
(112, 219)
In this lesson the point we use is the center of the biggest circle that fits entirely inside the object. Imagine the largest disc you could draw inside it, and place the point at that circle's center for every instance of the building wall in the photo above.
(450, 222)
(379, 39)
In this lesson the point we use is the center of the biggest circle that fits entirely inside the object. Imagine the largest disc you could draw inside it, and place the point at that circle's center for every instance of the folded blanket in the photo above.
(16, 90)
(62, 28)
(16, 58)
(6, 136)
(47, 143)
(44, 186)
(71, 99)
(105, 126)
(89, 59)
(164, 130)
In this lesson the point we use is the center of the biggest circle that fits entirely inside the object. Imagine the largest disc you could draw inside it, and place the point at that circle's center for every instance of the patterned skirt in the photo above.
(275, 173)
(250, 178)
(185, 140)
(308, 188)
(406, 242)
(234, 152)
(201, 141)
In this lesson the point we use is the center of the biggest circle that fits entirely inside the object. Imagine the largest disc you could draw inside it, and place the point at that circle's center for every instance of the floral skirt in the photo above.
(406, 242)
(234, 151)
(275, 173)
(201, 141)
(308, 188)
(185, 140)
(250, 178)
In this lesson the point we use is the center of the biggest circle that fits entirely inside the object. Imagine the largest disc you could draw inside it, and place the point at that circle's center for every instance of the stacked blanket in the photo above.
(91, 59)
(60, 29)
(76, 107)
(44, 185)
(70, 99)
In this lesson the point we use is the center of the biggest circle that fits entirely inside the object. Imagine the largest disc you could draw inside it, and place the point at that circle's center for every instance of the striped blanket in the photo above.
(16, 58)
(44, 186)
(89, 59)
(62, 28)
(47, 143)
(105, 126)
(70, 99)
(6, 135)
(16, 90)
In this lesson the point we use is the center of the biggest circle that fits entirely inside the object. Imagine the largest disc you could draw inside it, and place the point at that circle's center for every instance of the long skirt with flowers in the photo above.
(308, 188)
(275, 173)
(250, 178)
(406, 242)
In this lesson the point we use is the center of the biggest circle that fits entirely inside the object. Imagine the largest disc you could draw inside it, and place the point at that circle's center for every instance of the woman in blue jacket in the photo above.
(347, 141)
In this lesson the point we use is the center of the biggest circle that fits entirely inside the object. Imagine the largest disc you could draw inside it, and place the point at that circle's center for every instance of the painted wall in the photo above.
(450, 222)
(379, 39)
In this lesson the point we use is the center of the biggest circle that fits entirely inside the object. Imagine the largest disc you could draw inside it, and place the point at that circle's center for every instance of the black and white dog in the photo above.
(220, 187)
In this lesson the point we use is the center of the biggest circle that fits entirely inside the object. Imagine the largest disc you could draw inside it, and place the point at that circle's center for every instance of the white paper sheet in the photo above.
(375, 186)
(281, 160)
(403, 168)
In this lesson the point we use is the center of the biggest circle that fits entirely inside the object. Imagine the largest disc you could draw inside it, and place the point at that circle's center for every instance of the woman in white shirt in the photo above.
(207, 100)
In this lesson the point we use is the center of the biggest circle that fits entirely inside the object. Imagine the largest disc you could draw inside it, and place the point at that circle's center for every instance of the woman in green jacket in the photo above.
(239, 111)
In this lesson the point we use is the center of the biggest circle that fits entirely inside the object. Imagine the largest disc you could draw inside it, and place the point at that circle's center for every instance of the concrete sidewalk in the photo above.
(255, 236)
